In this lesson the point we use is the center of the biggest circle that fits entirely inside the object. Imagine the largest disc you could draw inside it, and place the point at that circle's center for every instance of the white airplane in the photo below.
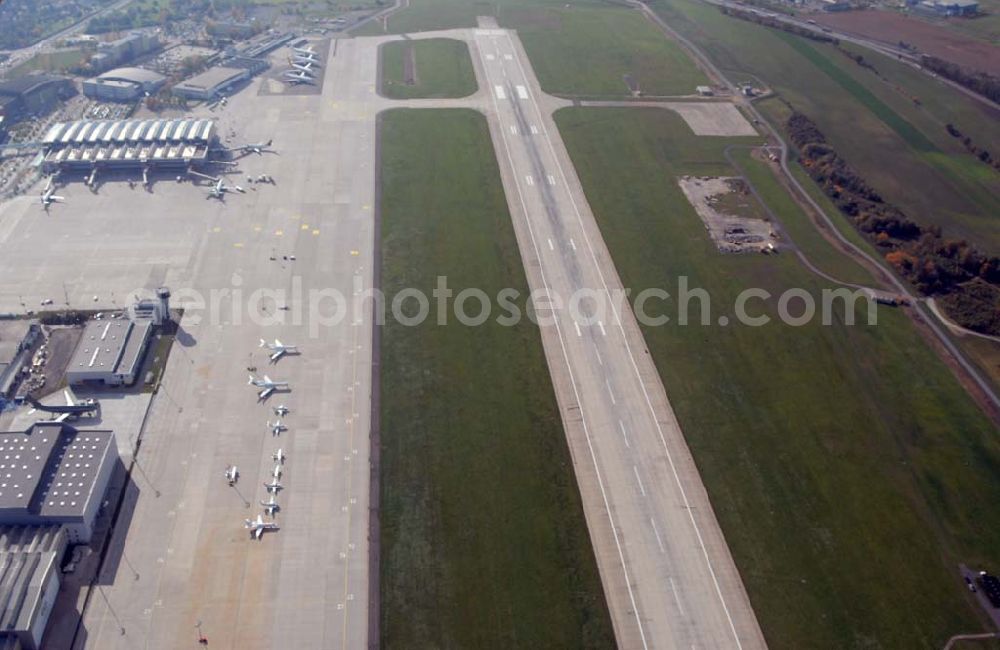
(256, 147)
(278, 349)
(276, 428)
(258, 526)
(270, 506)
(281, 410)
(232, 474)
(49, 196)
(305, 67)
(219, 189)
(274, 486)
(299, 77)
(302, 59)
(276, 472)
(279, 456)
(73, 408)
(267, 384)
(304, 51)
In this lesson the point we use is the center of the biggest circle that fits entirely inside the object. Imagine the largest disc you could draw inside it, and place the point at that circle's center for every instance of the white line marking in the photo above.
(531, 181)
(490, 57)
(601, 325)
(551, 247)
(508, 57)
(534, 130)
(499, 92)
(621, 427)
(677, 597)
(572, 243)
(552, 179)
(522, 92)
(638, 480)
(513, 129)
(649, 405)
(577, 326)
(611, 393)
(659, 542)
(583, 418)
(600, 361)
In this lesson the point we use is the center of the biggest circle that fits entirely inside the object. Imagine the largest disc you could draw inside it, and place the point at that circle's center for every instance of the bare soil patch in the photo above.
(730, 215)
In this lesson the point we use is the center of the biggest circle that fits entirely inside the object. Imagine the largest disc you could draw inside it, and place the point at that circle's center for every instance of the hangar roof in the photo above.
(134, 75)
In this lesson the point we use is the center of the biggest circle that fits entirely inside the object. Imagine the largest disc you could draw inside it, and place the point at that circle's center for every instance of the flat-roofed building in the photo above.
(211, 83)
(54, 473)
(110, 352)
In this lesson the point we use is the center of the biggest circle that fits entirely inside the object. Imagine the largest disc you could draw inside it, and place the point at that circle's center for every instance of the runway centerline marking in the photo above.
(551, 247)
(577, 326)
(621, 427)
(611, 393)
(656, 532)
(638, 479)
(677, 597)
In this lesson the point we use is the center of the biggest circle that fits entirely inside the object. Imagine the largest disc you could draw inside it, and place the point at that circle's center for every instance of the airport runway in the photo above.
(667, 572)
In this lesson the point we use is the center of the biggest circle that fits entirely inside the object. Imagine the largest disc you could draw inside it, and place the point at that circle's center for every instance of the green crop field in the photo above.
(850, 471)
(484, 543)
(441, 69)
(899, 145)
(579, 48)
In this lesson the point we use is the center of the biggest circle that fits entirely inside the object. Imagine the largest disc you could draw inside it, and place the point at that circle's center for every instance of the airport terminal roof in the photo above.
(134, 75)
(104, 132)
(51, 469)
(21, 85)
(28, 557)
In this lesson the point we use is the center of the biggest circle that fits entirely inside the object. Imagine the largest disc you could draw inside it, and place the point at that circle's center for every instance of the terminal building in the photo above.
(123, 84)
(212, 83)
(123, 144)
(110, 352)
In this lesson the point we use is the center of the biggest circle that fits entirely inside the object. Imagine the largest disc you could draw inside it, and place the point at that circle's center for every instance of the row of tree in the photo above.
(767, 21)
(978, 82)
(966, 281)
(973, 148)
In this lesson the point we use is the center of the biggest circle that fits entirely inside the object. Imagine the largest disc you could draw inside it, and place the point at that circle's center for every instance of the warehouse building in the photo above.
(33, 94)
(211, 84)
(29, 582)
(123, 84)
(110, 352)
(17, 337)
(122, 144)
(55, 474)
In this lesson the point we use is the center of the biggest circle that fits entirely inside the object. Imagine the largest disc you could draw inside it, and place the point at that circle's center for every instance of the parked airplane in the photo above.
(304, 51)
(232, 474)
(258, 526)
(299, 77)
(270, 506)
(304, 59)
(219, 189)
(256, 147)
(278, 349)
(276, 472)
(277, 428)
(281, 410)
(279, 456)
(49, 195)
(73, 408)
(308, 68)
(267, 384)
(274, 486)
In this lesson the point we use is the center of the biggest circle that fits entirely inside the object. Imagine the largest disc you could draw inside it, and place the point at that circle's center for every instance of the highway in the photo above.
(668, 574)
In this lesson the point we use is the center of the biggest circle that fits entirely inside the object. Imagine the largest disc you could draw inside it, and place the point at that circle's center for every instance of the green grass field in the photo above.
(442, 69)
(586, 47)
(849, 470)
(899, 145)
(484, 543)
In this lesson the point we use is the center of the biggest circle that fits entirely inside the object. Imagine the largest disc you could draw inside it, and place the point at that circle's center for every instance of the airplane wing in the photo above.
(277, 355)
(62, 418)
(57, 198)
(267, 380)
(265, 393)
(278, 344)
(257, 532)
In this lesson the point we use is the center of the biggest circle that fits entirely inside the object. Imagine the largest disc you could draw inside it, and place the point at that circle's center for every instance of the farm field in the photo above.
(899, 146)
(431, 68)
(484, 543)
(845, 463)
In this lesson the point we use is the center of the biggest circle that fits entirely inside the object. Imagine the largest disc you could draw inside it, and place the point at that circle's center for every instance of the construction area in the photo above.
(730, 213)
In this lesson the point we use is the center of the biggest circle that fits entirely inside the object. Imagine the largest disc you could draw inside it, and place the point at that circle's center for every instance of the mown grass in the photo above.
(442, 65)
(849, 470)
(585, 47)
(484, 543)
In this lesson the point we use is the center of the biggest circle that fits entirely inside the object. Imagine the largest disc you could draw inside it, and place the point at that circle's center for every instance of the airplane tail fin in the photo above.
(262, 343)
(250, 380)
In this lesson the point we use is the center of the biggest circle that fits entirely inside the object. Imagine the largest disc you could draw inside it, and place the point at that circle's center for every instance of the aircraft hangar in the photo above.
(151, 144)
